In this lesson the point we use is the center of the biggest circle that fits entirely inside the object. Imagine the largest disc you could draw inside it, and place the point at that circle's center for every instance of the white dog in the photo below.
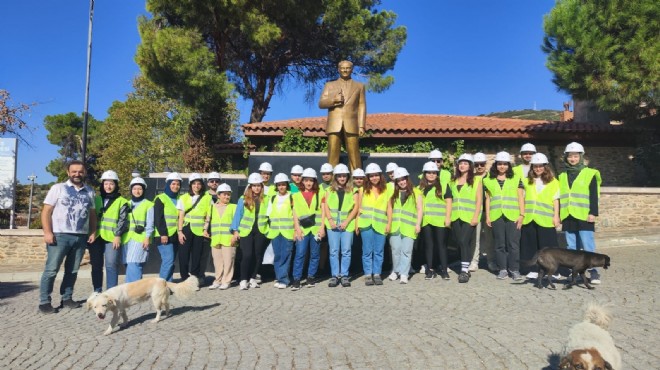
(589, 345)
(119, 298)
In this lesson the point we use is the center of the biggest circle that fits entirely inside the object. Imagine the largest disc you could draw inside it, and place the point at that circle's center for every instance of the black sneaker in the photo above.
(368, 280)
(333, 282)
(295, 285)
(311, 281)
(345, 282)
(444, 275)
(70, 303)
(47, 308)
(429, 275)
(377, 279)
(464, 277)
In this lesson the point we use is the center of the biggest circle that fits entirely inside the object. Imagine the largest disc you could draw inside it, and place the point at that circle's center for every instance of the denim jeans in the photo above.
(282, 247)
(69, 248)
(340, 241)
(402, 247)
(167, 256)
(581, 240)
(99, 251)
(307, 242)
(133, 271)
(373, 249)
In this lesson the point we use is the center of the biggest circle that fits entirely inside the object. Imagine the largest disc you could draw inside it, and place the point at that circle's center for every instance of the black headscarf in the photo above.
(110, 196)
(141, 197)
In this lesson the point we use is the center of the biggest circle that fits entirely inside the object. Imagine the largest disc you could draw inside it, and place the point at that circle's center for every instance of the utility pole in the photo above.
(89, 67)
(31, 178)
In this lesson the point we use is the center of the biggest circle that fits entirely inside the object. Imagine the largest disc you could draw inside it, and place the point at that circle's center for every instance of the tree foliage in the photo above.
(263, 44)
(607, 51)
(11, 116)
(65, 132)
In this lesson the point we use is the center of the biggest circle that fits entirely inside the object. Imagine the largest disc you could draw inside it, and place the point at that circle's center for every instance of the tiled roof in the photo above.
(388, 125)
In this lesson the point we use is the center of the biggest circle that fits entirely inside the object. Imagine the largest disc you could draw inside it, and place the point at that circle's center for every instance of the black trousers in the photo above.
(252, 254)
(534, 238)
(463, 233)
(191, 253)
(435, 245)
(507, 244)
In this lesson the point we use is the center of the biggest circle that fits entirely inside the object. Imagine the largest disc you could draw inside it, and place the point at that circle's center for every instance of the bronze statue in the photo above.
(347, 113)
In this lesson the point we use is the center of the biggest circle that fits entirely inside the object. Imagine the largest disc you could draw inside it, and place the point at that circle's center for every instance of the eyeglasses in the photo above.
(213, 180)
(480, 165)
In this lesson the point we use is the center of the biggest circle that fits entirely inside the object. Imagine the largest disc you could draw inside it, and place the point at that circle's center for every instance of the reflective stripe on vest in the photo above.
(281, 218)
(574, 200)
(138, 217)
(220, 225)
(404, 217)
(170, 213)
(373, 212)
(332, 199)
(539, 207)
(247, 221)
(464, 202)
(435, 208)
(107, 223)
(503, 200)
(197, 215)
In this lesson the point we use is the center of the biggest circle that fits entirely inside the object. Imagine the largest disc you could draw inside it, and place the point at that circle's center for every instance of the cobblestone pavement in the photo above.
(485, 324)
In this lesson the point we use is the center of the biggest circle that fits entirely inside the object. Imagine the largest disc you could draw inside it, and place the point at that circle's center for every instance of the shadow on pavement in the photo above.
(173, 312)
(14, 288)
(553, 361)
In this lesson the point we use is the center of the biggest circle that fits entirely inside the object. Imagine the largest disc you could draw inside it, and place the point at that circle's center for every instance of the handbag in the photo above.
(309, 220)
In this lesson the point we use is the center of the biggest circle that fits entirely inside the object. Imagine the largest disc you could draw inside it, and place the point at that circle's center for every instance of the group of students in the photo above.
(523, 205)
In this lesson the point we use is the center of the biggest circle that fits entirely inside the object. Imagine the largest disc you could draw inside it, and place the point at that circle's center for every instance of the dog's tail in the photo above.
(532, 261)
(184, 289)
(598, 315)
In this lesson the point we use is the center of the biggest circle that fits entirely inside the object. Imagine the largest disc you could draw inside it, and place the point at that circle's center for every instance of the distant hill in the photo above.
(544, 114)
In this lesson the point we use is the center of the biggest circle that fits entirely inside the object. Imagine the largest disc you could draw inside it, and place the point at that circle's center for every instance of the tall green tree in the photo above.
(607, 51)
(264, 44)
(65, 131)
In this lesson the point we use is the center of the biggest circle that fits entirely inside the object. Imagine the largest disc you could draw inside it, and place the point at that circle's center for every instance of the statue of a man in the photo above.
(347, 113)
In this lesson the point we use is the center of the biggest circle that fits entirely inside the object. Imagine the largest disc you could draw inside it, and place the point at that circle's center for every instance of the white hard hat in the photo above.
(528, 147)
(358, 172)
(193, 177)
(137, 180)
(400, 172)
(266, 167)
(503, 157)
(480, 157)
(539, 158)
(223, 188)
(430, 167)
(173, 176)
(326, 168)
(214, 176)
(296, 170)
(372, 168)
(391, 167)
(465, 157)
(281, 177)
(574, 148)
(309, 172)
(341, 169)
(109, 175)
(435, 154)
(255, 179)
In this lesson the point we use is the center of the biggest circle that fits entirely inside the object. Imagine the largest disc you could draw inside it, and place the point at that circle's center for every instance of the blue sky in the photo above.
(462, 57)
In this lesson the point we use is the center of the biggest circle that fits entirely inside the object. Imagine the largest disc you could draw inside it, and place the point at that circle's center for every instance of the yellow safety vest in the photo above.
(302, 210)
(574, 200)
(170, 213)
(247, 221)
(435, 208)
(539, 207)
(107, 221)
(139, 217)
(220, 225)
(332, 199)
(504, 200)
(281, 218)
(404, 217)
(373, 211)
(198, 215)
(464, 201)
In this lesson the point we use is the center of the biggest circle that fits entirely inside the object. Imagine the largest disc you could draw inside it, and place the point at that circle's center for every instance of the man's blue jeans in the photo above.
(307, 242)
(282, 247)
(99, 251)
(168, 256)
(402, 248)
(340, 241)
(373, 249)
(69, 248)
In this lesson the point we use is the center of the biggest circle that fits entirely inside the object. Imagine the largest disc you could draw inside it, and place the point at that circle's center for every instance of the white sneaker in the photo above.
(214, 286)
(422, 270)
(253, 283)
(223, 286)
(243, 285)
(473, 267)
(393, 276)
(533, 275)
(258, 278)
(404, 279)
(279, 285)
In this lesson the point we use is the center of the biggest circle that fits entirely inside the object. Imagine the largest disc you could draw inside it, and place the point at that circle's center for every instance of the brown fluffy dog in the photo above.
(550, 259)
(119, 298)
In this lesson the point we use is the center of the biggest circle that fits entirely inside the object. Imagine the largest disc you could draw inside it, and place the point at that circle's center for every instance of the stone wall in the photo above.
(619, 208)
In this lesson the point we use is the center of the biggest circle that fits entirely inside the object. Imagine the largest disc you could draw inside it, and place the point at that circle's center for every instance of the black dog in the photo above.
(550, 259)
